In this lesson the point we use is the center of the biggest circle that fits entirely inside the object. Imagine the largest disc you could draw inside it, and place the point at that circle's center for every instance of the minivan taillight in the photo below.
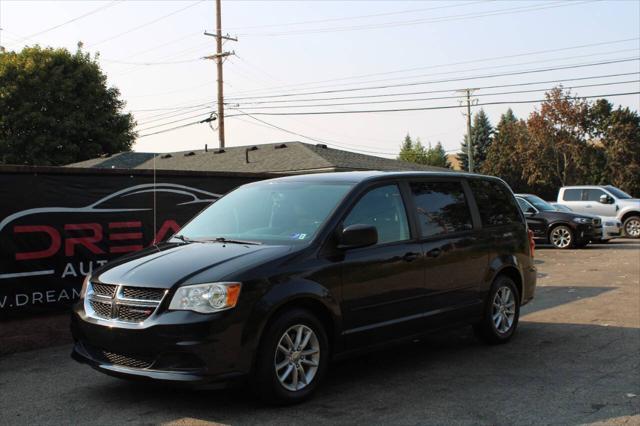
(532, 243)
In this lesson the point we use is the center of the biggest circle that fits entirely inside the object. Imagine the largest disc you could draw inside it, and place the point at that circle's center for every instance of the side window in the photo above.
(383, 208)
(495, 203)
(592, 194)
(524, 206)
(441, 208)
(571, 195)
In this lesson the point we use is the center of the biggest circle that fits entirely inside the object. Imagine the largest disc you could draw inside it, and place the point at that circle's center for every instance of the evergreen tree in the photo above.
(406, 150)
(437, 156)
(481, 137)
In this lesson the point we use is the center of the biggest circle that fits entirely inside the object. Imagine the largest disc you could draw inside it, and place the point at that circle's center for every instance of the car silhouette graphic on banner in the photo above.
(46, 251)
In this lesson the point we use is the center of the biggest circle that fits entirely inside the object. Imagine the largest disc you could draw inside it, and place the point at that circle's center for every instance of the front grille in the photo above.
(596, 221)
(107, 290)
(134, 313)
(122, 303)
(101, 309)
(125, 360)
(142, 293)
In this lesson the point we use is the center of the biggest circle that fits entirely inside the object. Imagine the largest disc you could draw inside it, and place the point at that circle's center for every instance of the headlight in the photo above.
(582, 220)
(206, 298)
(85, 285)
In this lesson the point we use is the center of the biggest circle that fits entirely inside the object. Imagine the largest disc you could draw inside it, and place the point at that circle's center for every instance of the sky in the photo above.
(292, 55)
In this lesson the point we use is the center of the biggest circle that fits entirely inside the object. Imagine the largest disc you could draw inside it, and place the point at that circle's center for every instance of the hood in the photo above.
(566, 216)
(169, 264)
(628, 201)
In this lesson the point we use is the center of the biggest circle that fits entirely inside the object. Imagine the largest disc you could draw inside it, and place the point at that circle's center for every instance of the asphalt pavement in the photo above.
(575, 360)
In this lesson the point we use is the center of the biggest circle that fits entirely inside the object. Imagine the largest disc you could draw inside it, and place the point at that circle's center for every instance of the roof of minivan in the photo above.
(362, 176)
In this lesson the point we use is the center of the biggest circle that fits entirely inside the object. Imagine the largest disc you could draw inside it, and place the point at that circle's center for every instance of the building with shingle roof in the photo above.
(284, 157)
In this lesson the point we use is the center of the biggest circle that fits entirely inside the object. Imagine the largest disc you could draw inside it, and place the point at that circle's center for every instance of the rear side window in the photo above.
(524, 205)
(572, 195)
(495, 203)
(383, 208)
(592, 194)
(441, 208)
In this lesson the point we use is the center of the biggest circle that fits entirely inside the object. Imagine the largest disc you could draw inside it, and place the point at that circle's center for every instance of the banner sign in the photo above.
(57, 228)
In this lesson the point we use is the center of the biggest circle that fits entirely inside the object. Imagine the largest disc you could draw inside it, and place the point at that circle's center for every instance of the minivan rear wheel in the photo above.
(501, 313)
(292, 358)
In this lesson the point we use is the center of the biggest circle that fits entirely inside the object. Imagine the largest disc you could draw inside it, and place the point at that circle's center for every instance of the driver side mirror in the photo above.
(355, 236)
(605, 199)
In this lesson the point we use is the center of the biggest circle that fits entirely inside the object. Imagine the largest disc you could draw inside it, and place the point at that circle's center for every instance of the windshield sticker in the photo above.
(298, 236)
(302, 236)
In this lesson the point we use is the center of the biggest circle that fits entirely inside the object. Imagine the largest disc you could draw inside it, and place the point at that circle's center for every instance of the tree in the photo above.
(437, 156)
(481, 137)
(56, 109)
(505, 154)
(412, 152)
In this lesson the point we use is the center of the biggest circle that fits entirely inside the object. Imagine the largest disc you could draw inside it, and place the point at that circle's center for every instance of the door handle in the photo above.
(434, 253)
(410, 257)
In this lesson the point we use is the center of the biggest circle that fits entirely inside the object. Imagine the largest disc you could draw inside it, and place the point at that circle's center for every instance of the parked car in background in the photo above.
(564, 230)
(611, 227)
(606, 201)
(278, 277)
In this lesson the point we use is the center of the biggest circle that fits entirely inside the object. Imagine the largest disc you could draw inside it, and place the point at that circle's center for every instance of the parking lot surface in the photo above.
(575, 360)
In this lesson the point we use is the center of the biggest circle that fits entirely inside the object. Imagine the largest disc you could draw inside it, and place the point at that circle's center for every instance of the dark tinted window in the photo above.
(592, 194)
(524, 206)
(383, 208)
(495, 203)
(441, 208)
(572, 195)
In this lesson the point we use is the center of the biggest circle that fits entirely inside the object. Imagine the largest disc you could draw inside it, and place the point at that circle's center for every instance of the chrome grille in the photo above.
(142, 293)
(125, 360)
(123, 304)
(101, 309)
(107, 290)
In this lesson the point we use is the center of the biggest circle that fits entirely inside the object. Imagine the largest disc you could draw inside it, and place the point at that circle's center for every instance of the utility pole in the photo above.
(219, 59)
(469, 101)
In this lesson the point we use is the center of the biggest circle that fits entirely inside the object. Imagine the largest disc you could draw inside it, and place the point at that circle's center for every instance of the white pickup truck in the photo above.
(606, 201)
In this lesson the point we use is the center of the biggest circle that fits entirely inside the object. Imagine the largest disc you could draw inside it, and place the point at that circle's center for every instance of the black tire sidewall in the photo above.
(573, 237)
(265, 382)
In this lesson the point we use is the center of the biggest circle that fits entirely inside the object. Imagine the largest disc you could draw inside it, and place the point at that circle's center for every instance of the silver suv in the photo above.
(607, 201)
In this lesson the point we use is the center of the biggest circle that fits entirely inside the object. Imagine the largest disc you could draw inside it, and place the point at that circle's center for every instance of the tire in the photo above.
(496, 331)
(275, 359)
(631, 227)
(561, 237)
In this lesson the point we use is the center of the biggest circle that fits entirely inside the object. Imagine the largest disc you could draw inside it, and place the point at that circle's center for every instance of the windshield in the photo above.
(540, 204)
(618, 193)
(268, 212)
(562, 208)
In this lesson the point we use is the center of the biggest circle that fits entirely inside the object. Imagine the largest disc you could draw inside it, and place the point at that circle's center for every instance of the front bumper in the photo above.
(178, 347)
(588, 232)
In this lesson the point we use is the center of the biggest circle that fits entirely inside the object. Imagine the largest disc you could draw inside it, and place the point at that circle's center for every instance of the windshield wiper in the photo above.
(231, 241)
(183, 238)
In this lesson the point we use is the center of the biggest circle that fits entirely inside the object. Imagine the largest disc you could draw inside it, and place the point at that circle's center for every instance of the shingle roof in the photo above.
(287, 157)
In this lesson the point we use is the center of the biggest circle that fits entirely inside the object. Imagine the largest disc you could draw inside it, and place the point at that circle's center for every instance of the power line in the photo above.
(438, 97)
(333, 80)
(497, 12)
(483, 68)
(424, 108)
(175, 121)
(389, 86)
(425, 92)
(169, 130)
(348, 18)
(77, 18)
(146, 24)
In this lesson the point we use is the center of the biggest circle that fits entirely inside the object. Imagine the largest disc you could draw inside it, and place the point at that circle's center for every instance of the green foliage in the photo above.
(481, 138)
(56, 109)
(415, 152)
(567, 141)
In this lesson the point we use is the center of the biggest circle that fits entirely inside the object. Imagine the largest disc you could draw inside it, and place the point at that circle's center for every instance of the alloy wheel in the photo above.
(503, 311)
(561, 237)
(632, 228)
(297, 357)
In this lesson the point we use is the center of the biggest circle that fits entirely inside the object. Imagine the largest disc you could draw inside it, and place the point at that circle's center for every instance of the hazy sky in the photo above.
(289, 47)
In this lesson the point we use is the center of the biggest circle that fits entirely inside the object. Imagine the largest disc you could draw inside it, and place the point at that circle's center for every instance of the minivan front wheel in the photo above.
(502, 312)
(292, 358)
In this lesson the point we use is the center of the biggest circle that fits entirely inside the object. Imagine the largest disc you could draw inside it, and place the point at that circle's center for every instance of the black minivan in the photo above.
(277, 278)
